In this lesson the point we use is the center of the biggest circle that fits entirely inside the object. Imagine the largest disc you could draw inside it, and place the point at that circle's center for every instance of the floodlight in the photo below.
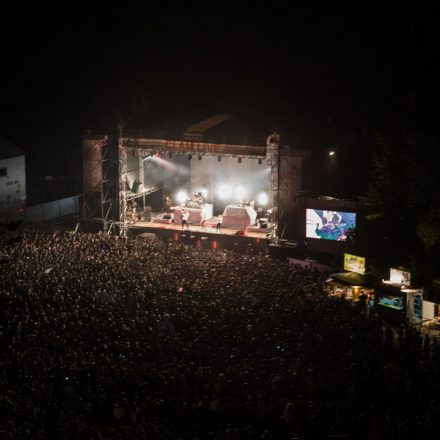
(224, 191)
(240, 192)
(262, 199)
(181, 196)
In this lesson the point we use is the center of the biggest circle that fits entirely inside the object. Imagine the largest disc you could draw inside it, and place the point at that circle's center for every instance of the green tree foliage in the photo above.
(402, 205)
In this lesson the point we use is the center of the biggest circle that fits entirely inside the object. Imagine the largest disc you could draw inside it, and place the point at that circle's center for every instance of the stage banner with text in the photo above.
(353, 263)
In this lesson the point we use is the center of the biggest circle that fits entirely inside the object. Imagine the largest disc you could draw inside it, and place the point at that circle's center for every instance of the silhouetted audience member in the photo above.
(108, 338)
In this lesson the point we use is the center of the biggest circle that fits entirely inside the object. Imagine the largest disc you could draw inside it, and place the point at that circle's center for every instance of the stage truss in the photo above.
(97, 200)
(284, 180)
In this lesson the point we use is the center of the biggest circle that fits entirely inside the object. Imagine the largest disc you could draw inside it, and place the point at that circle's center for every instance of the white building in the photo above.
(12, 182)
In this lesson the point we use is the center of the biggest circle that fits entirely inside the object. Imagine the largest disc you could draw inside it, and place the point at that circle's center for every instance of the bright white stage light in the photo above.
(263, 198)
(240, 192)
(224, 192)
(181, 196)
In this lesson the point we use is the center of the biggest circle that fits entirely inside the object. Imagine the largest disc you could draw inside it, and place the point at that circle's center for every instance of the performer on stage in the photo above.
(202, 221)
(259, 215)
(219, 223)
(167, 204)
(200, 199)
(185, 215)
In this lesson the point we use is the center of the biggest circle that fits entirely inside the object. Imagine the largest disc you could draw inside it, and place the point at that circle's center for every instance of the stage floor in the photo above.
(210, 228)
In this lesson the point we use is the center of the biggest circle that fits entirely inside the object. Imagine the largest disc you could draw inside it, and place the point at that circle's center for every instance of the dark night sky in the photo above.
(321, 74)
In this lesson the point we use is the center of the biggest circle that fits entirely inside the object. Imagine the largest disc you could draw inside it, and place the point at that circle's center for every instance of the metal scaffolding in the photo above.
(122, 182)
(273, 160)
(97, 201)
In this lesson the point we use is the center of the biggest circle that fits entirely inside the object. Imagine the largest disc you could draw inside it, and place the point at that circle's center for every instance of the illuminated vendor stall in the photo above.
(354, 282)
(351, 286)
(430, 318)
(397, 300)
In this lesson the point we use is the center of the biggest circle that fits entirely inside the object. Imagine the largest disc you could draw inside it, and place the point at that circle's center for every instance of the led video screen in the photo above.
(329, 225)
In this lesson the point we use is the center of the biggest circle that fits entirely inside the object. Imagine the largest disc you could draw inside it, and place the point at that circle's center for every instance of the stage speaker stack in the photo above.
(136, 185)
(147, 213)
(167, 216)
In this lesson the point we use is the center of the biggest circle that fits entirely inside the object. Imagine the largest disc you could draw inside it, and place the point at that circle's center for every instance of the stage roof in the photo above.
(243, 129)
(8, 149)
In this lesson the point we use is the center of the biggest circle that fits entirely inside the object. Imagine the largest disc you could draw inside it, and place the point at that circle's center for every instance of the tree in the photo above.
(401, 223)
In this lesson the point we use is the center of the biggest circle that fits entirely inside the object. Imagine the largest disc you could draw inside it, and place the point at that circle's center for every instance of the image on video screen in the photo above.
(329, 225)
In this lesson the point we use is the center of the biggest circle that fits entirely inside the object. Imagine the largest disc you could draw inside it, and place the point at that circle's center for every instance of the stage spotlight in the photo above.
(260, 161)
(190, 156)
(240, 192)
(200, 157)
(181, 196)
(224, 192)
(219, 158)
(331, 153)
(146, 156)
(262, 199)
(239, 160)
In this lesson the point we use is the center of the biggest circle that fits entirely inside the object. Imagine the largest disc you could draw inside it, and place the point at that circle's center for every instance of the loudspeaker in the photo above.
(263, 225)
(239, 233)
(136, 185)
(167, 216)
(147, 213)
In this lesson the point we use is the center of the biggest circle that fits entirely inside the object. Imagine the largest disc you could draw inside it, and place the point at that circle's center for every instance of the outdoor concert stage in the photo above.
(257, 238)
(212, 163)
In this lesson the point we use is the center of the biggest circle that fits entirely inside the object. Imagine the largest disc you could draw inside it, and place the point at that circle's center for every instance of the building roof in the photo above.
(8, 149)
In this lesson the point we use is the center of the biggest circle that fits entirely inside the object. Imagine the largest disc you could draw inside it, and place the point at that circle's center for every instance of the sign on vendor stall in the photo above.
(353, 263)
(400, 277)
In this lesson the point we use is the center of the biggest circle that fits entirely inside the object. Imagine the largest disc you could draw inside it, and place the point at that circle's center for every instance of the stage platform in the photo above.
(210, 228)
(207, 237)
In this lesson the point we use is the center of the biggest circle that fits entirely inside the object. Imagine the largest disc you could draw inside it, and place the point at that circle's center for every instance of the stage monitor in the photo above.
(352, 263)
(329, 225)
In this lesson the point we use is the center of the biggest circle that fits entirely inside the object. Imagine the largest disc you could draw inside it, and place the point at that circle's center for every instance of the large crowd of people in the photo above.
(109, 338)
